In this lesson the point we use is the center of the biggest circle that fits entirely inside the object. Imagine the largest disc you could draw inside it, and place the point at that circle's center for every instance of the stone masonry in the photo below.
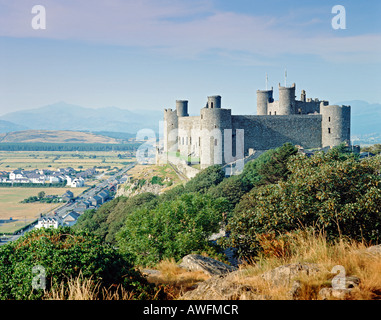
(218, 137)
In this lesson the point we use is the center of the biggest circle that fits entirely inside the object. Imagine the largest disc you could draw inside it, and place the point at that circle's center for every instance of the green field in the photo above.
(24, 213)
(29, 160)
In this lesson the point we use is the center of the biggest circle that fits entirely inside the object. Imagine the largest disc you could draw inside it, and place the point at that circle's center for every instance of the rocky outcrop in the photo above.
(133, 189)
(348, 283)
(223, 287)
(229, 286)
(212, 267)
(284, 275)
(373, 251)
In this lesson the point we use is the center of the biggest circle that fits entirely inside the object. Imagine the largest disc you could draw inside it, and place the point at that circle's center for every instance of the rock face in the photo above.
(283, 275)
(340, 293)
(133, 189)
(223, 287)
(373, 251)
(212, 267)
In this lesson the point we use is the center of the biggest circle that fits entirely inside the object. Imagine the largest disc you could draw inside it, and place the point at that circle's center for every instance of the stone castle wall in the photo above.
(268, 132)
(310, 123)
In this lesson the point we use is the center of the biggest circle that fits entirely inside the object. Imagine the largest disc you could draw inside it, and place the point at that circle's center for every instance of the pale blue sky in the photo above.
(146, 54)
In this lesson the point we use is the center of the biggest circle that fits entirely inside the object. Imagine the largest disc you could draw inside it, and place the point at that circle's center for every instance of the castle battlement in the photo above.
(212, 137)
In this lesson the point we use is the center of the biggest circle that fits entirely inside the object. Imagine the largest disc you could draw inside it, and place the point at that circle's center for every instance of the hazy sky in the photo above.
(148, 53)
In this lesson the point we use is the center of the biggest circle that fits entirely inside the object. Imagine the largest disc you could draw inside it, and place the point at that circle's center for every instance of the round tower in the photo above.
(170, 131)
(213, 122)
(336, 124)
(263, 98)
(182, 108)
(286, 100)
(214, 102)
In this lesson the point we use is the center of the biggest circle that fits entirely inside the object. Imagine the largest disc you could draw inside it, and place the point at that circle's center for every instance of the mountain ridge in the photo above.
(57, 136)
(365, 118)
(64, 116)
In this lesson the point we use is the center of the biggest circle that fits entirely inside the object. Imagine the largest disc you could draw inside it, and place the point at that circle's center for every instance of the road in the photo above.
(61, 211)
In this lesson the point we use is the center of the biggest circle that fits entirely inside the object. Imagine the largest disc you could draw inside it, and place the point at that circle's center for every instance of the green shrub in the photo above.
(63, 253)
(157, 180)
(333, 192)
(109, 218)
(206, 178)
(171, 229)
(232, 189)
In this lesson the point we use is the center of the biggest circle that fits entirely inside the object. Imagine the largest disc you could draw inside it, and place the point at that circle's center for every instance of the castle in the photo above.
(218, 137)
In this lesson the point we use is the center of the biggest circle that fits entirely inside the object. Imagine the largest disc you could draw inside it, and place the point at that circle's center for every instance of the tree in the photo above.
(63, 253)
(270, 167)
(109, 218)
(41, 195)
(171, 229)
(232, 189)
(332, 191)
(208, 177)
(276, 168)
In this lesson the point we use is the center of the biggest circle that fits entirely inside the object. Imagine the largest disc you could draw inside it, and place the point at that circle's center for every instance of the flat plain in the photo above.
(22, 213)
(78, 160)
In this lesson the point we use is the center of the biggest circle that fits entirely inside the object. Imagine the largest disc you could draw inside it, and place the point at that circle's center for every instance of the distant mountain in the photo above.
(55, 137)
(7, 126)
(63, 116)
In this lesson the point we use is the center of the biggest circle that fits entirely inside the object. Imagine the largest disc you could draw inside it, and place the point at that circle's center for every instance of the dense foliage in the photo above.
(63, 253)
(172, 229)
(279, 192)
(207, 178)
(109, 218)
(375, 149)
(332, 191)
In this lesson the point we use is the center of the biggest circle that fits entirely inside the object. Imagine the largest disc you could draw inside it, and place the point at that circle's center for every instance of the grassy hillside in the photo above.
(47, 136)
(285, 208)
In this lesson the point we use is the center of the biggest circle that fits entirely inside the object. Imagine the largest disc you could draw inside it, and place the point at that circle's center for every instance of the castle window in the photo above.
(270, 113)
(215, 142)
(183, 141)
(329, 130)
(211, 105)
(199, 141)
(329, 119)
(274, 113)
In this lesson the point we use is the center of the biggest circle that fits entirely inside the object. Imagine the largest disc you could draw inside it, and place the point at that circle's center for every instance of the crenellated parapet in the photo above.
(214, 136)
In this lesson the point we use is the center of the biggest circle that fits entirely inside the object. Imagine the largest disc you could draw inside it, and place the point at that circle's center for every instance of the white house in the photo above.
(54, 179)
(49, 222)
(16, 175)
(77, 183)
(68, 180)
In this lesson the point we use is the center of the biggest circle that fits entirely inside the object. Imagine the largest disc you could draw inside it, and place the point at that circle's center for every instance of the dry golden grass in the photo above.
(308, 247)
(81, 288)
(174, 280)
(304, 247)
(11, 206)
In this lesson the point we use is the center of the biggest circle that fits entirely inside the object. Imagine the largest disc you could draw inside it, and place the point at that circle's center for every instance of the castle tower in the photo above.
(286, 100)
(263, 98)
(182, 108)
(170, 131)
(213, 121)
(214, 102)
(336, 124)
